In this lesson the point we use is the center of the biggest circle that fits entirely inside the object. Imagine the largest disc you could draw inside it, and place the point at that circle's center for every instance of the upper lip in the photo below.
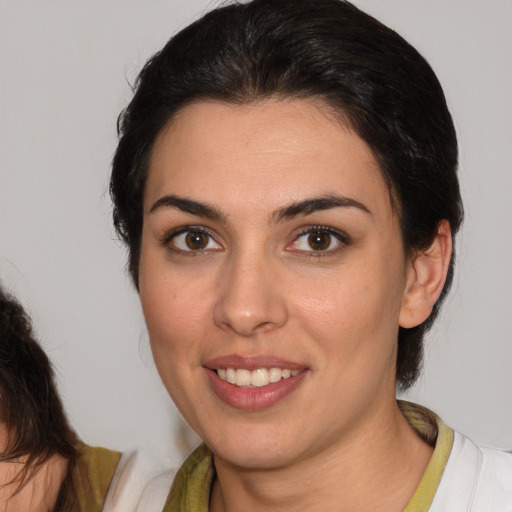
(236, 361)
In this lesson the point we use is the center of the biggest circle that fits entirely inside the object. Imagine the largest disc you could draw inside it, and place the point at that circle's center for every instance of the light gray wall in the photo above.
(65, 69)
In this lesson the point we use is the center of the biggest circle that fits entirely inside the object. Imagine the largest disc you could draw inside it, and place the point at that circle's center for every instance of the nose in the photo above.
(250, 300)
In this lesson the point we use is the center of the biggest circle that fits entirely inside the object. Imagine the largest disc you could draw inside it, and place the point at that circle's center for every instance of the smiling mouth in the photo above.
(258, 378)
(253, 383)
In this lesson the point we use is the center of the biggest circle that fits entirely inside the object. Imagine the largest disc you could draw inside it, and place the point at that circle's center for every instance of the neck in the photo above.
(377, 469)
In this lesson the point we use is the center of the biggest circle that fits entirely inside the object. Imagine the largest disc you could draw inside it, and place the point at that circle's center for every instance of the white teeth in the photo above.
(255, 378)
(230, 376)
(260, 377)
(275, 374)
(243, 377)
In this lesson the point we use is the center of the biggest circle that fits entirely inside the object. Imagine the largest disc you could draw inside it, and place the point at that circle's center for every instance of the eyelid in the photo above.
(166, 240)
(339, 235)
(342, 237)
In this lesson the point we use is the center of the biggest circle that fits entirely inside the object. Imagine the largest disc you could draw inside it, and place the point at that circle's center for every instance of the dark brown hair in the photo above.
(325, 49)
(30, 406)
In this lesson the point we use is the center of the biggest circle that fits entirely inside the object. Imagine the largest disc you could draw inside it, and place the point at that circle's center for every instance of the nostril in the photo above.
(246, 327)
(248, 301)
(248, 322)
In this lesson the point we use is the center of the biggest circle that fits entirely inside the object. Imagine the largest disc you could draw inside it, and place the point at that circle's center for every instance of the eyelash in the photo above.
(338, 235)
(175, 233)
(341, 237)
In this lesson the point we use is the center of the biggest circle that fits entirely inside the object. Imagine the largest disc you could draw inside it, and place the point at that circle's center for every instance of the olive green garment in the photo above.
(96, 469)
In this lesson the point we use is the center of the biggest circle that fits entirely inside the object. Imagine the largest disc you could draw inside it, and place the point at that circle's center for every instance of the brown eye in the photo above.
(192, 240)
(196, 240)
(319, 240)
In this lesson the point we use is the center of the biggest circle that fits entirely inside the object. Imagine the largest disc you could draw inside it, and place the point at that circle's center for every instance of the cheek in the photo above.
(175, 309)
(175, 312)
(175, 317)
(355, 312)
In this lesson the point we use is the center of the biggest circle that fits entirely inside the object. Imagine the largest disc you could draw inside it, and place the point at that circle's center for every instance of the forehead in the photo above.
(264, 154)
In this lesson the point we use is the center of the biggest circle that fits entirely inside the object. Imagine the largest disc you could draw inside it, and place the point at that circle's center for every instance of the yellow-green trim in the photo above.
(423, 497)
(191, 487)
(95, 472)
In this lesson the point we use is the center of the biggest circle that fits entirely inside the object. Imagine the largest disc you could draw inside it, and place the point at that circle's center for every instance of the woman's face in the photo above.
(271, 252)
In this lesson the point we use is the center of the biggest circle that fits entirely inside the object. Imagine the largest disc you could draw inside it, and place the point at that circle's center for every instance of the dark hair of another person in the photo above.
(30, 406)
(378, 84)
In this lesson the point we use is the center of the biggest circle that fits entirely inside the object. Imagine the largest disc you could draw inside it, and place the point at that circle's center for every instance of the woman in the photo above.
(42, 465)
(38, 453)
(285, 182)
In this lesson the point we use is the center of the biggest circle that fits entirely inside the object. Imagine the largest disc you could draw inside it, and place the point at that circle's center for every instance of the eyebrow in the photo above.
(316, 204)
(189, 206)
(305, 207)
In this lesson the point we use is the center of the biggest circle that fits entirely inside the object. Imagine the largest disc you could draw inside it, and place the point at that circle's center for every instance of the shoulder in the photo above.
(494, 481)
(475, 479)
(141, 483)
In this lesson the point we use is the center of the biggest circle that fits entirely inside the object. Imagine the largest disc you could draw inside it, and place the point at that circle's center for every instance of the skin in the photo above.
(39, 492)
(258, 288)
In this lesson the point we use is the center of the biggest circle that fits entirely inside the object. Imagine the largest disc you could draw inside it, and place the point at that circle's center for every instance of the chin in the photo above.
(253, 459)
(256, 449)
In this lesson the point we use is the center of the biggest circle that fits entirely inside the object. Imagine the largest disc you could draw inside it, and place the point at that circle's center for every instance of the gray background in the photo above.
(65, 69)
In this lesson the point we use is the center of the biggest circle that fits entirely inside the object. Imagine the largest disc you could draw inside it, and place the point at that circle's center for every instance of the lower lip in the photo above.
(253, 398)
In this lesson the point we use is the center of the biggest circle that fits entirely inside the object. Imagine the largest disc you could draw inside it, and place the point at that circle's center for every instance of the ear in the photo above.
(426, 275)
